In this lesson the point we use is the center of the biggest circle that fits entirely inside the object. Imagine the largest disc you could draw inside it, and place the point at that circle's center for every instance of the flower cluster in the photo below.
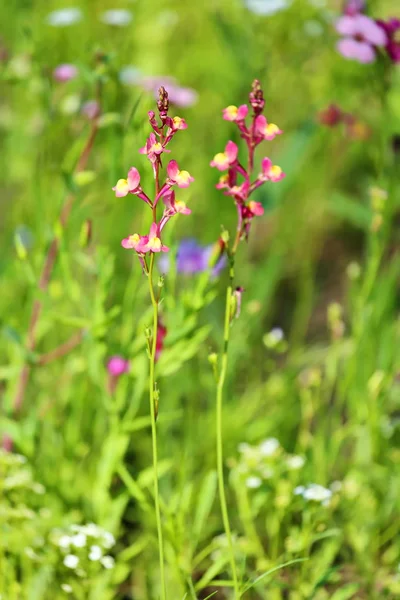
(264, 461)
(258, 131)
(362, 36)
(155, 147)
(314, 492)
(83, 551)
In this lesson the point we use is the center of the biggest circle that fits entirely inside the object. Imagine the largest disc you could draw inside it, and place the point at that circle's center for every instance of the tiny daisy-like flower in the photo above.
(108, 539)
(269, 446)
(79, 540)
(295, 462)
(64, 541)
(95, 553)
(116, 17)
(253, 482)
(71, 561)
(107, 562)
(64, 17)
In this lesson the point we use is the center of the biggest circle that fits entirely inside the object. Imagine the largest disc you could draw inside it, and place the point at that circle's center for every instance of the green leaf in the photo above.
(204, 505)
(261, 577)
(346, 592)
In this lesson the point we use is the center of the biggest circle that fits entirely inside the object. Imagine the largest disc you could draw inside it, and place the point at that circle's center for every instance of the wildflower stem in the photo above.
(220, 454)
(153, 412)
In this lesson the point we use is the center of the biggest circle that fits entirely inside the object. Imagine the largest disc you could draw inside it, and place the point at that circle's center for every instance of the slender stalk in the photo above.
(220, 453)
(153, 412)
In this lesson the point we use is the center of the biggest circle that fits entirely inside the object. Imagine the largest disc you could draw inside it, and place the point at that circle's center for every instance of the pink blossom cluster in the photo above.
(362, 36)
(155, 147)
(237, 181)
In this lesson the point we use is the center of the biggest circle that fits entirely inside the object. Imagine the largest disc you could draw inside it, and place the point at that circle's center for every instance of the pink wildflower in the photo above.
(135, 242)
(65, 72)
(270, 172)
(233, 113)
(267, 131)
(153, 148)
(225, 160)
(117, 365)
(361, 36)
(176, 177)
(154, 243)
(392, 31)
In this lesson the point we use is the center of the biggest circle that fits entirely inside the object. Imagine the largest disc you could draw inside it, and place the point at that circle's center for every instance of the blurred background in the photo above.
(314, 359)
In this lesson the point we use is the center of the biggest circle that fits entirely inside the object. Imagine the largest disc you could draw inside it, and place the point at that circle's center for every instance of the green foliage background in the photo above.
(333, 399)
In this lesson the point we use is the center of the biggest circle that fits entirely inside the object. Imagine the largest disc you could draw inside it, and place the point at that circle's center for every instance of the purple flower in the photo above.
(65, 72)
(361, 35)
(193, 258)
(353, 7)
(117, 366)
(178, 95)
(91, 109)
(392, 31)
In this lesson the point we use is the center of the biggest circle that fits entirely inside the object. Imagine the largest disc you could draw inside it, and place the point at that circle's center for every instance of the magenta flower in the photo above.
(65, 72)
(176, 177)
(91, 109)
(135, 242)
(233, 113)
(153, 148)
(270, 172)
(392, 31)
(267, 131)
(225, 160)
(361, 36)
(174, 206)
(130, 185)
(117, 366)
(181, 96)
(154, 243)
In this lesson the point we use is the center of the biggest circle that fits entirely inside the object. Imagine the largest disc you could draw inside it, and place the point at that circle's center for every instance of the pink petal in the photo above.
(370, 30)
(260, 123)
(133, 179)
(347, 25)
(172, 169)
(360, 51)
(266, 165)
(231, 151)
(153, 230)
(242, 112)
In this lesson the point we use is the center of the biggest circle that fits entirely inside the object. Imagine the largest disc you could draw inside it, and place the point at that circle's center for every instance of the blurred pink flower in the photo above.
(91, 109)
(353, 7)
(361, 35)
(392, 30)
(117, 365)
(65, 72)
(178, 95)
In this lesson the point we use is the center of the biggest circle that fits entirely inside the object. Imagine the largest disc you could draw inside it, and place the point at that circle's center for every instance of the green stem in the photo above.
(220, 455)
(152, 385)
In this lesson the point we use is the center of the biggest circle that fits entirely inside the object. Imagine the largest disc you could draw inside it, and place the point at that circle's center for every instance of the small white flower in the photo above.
(38, 488)
(253, 482)
(108, 539)
(64, 541)
(267, 472)
(107, 562)
(71, 561)
(116, 17)
(66, 588)
(299, 490)
(317, 492)
(130, 75)
(266, 7)
(30, 553)
(269, 446)
(64, 17)
(79, 540)
(295, 462)
(91, 529)
(95, 553)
